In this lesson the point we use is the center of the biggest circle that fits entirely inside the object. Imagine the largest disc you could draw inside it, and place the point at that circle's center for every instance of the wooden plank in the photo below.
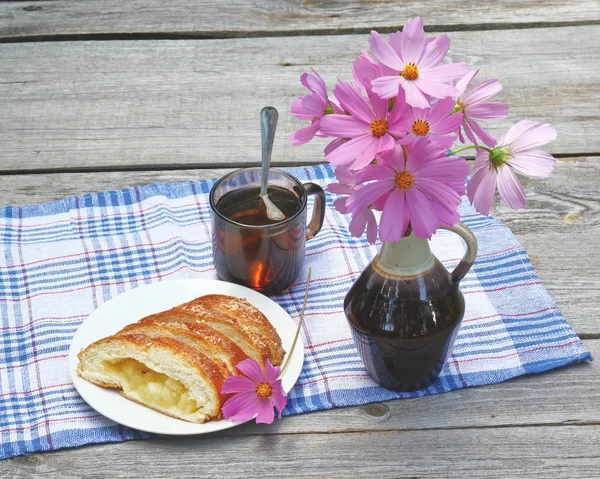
(109, 104)
(34, 19)
(567, 451)
(562, 218)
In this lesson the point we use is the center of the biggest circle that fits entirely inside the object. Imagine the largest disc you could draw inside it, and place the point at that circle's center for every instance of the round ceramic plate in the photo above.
(152, 298)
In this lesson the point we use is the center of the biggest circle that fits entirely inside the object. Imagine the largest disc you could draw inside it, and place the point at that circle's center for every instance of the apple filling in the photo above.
(151, 387)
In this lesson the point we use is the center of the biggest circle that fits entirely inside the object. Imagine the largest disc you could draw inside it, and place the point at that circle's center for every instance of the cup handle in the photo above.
(318, 215)
(468, 259)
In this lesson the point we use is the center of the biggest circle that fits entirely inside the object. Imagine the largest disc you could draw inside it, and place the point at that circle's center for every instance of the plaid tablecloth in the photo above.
(61, 260)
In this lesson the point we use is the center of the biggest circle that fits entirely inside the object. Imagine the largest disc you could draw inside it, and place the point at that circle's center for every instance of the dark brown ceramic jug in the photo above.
(405, 310)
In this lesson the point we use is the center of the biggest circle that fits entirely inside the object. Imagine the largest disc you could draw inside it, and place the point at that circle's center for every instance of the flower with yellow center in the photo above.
(263, 390)
(404, 180)
(420, 127)
(379, 128)
(410, 71)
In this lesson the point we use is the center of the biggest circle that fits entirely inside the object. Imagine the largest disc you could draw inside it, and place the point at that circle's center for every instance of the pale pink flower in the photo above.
(347, 184)
(312, 107)
(435, 123)
(473, 107)
(422, 191)
(372, 129)
(256, 392)
(414, 66)
(514, 150)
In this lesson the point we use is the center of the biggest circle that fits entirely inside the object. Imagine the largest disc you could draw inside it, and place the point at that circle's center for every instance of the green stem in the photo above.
(489, 150)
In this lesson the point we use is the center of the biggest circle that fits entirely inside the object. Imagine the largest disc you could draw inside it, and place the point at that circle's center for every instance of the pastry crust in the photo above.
(245, 313)
(176, 361)
(160, 355)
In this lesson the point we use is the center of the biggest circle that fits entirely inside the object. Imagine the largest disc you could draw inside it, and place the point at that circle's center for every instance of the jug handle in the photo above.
(467, 261)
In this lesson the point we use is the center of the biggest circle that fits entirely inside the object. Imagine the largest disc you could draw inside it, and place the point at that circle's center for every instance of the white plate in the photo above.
(133, 305)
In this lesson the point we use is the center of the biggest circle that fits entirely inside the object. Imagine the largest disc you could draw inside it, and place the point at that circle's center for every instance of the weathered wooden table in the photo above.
(105, 94)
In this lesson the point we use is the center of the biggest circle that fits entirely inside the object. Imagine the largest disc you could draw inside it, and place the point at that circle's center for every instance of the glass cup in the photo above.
(249, 248)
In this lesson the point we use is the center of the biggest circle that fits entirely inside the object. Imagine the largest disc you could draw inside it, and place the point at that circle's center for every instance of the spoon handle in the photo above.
(268, 124)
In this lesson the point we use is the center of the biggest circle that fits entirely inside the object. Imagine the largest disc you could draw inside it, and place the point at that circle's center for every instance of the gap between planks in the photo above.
(228, 34)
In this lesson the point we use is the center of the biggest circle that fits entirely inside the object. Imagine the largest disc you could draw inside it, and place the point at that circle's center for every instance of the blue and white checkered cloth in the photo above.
(61, 260)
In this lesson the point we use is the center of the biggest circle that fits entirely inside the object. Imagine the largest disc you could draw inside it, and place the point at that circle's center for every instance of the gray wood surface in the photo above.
(182, 103)
(196, 102)
(513, 452)
(204, 18)
(494, 417)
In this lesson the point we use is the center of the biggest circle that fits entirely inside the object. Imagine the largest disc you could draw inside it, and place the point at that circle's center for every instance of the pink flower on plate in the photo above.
(369, 125)
(256, 392)
(311, 107)
(514, 151)
(422, 191)
(434, 123)
(473, 107)
(414, 66)
(347, 184)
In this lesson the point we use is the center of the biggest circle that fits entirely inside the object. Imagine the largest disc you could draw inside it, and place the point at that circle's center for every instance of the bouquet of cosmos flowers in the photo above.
(392, 129)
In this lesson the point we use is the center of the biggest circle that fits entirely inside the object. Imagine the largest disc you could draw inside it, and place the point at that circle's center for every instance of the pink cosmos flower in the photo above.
(414, 63)
(369, 125)
(434, 123)
(422, 191)
(364, 219)
(513, 152)
(311, 107)
(256, 393)
(473, 107)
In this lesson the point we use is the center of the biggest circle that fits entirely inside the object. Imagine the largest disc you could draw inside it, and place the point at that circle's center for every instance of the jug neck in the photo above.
(411, 256)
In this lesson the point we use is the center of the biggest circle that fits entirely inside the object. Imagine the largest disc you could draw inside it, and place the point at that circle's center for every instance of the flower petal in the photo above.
(481, 189)
(238, 384)
(241, 407)
(371, 226)
(444, 73)
(476, 129)
(343, 126)
(510, 188)
(376, 172)
(252, 369)
(377, 146)
(358, 223)
(314, 105)
(423, 219)
(485, 90)
(333, 145)
(364, 70)
(279, 398)
(462, 84)
(487, 111)
(424, 150)
(527, 134)
(414, 95)
(393, 225)
(298, 111)
(304, 135)
(347, 152)
(434, 88)
(534, 163)
(386, 86)
(435, 51)
(412, 41)
(438, 192)
(316, 84)
(352, 100)
(384, 52)
(265, 412)
(272, 373)
(362, 198)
